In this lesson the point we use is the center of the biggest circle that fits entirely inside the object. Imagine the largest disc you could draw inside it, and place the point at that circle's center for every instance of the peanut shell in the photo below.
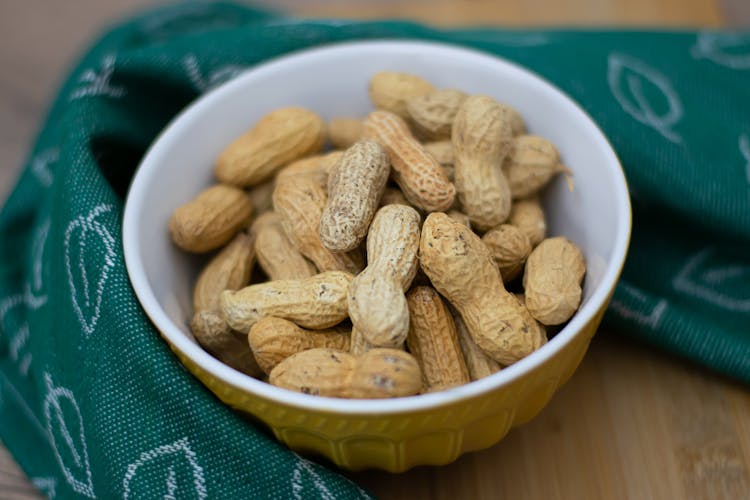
(552, 280)
(272, 340)
(317, 302)
(462, 269)
(210, 219)
(276, 139)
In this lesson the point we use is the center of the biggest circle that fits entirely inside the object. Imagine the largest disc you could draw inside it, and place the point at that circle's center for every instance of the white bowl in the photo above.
(399, 433)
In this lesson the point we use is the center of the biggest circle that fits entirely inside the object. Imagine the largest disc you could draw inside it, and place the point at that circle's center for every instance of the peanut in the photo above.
(317, 302)
(278, 258)
(300, 201)
(481, 140)
(377, 305)
(442, 151)
(477, 362)
(230, 269)
(530, 165)
(509, 247)
(213, 333)
(343, 132)
(276, 139)
(528, 216)
(552, 281)
(355, 186)
(462, 269)
(433, 342)
(379, 373)
(272, 340)
(390, 91)
(210, 219)
(432, 114)
(418, 174)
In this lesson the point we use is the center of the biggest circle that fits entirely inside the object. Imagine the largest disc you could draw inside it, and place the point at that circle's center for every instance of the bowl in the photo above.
(400, 433)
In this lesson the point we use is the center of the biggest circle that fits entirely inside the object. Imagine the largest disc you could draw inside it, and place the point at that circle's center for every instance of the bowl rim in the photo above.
(365, 407)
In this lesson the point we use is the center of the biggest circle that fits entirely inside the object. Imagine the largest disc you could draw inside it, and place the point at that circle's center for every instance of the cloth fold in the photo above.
(93, 403)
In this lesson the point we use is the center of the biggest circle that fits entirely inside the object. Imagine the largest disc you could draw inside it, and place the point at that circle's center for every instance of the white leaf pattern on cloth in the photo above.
(170, 459)
(21, 335)
(67, 437)
(33, 291)
(626, 76)
(745, 152)
(702, 279)
(731, 50)
(214, 78)
(46, 485)
(95, 82)
(40, 166)
(305, 469)
(86, 302)
(644, 315)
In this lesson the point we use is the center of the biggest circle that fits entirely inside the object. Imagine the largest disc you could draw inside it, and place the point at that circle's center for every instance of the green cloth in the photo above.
(93, 403)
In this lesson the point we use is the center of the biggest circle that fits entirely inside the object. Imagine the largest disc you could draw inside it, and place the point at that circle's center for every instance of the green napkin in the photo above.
(93, 403)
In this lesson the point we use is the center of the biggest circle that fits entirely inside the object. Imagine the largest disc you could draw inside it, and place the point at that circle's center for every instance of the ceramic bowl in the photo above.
(395, 434)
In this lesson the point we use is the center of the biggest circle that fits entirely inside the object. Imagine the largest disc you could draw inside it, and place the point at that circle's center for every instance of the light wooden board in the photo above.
(632, 423)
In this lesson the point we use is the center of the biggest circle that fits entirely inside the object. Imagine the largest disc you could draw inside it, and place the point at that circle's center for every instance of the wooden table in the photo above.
(631, 423)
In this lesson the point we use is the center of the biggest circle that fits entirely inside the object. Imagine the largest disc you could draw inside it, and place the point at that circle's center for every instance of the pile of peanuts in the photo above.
(437, 188)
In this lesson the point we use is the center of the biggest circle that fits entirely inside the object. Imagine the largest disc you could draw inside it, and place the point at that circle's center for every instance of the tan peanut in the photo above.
(393, 196)
(442, 151)
(432, 114)
(230, 347)
(230, 269)
(509, 247)
(377, 304)
(481, 140)
(433, 341)
(418, 174)
(462, 269)
(530, 165)
(317, 302)
(276, 255)
(272, 340)
(276, 139)
(300, 201)
(379, 373)
(517, 125)
(210, 219)
(478, 363)
(343, 132)
(552, 280)
(528, 216)
(390, 91)
(355, 185)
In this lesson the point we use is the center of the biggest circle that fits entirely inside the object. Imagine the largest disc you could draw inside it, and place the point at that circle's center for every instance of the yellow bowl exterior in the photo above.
(397, 442)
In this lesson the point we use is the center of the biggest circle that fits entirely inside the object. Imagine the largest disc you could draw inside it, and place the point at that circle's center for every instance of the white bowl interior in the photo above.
(333, 82)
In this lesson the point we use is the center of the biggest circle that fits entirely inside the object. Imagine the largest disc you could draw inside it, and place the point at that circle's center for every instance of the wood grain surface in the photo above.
(632, 423)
